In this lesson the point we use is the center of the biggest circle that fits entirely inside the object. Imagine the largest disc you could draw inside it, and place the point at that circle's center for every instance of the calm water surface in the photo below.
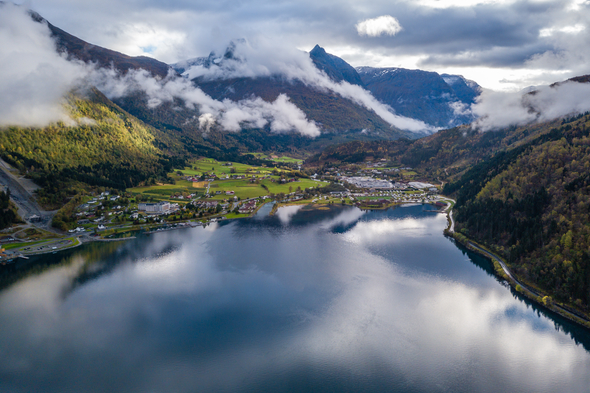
(330, 300)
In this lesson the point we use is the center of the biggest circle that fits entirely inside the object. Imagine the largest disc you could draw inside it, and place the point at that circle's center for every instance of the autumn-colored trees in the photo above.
(532, 204)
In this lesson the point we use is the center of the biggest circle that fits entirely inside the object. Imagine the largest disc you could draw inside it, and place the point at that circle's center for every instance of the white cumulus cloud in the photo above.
(382, 25)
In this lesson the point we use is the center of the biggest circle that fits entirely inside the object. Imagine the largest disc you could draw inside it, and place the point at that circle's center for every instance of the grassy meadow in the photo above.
(242, 188)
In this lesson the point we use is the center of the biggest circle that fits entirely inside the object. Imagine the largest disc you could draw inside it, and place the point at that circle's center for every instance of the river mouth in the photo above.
(304, 300)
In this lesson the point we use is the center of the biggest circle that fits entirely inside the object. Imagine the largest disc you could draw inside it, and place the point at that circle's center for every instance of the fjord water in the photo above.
(305, 300)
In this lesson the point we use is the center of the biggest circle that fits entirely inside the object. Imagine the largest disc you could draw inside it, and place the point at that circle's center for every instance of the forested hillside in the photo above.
(445, 155)
(103, 146)
(532, 205)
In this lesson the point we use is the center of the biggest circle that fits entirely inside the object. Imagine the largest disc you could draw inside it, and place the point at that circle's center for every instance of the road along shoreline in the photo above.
(501, 269)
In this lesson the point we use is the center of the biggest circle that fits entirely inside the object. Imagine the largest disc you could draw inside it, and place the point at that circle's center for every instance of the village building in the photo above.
(419, 185)
(210, 204)
(247, 207)
(155, 208)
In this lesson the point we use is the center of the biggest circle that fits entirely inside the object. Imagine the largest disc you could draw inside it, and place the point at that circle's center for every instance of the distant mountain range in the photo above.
(438, 100)
(415, 94)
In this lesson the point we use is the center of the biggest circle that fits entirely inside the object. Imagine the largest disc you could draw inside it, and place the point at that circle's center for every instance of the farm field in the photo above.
(276, 158)
(242, 188)
(209, 165)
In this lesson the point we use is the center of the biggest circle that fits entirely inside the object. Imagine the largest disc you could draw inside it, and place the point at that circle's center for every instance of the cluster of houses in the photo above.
(99, 199)
(247, 207)
(190, 196)
(77, 230)
(367, 182)
(7, 256)
(397, 197)
(209, 204)
(88, 211)
(376, 185)
(372, 169)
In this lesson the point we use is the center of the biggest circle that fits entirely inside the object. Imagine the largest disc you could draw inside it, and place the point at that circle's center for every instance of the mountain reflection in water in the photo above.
(305, 300)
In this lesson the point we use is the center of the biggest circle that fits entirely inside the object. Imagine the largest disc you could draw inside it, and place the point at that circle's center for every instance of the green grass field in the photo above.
(284, 159)
(11, 246)
(242, 188)
(198, 167)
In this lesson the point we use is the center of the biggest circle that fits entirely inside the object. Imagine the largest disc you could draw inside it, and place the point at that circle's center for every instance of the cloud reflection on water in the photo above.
(181, 315)
(285, 213)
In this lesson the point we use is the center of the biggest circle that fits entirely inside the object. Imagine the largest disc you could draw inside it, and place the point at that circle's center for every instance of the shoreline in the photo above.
(90, 239)
(502, 271)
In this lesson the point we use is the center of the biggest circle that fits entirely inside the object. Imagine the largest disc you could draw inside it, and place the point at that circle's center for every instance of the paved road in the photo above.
(23, 199)
(529, 291)
(504, 267)
(448, 209)
(43, 248)
(20, 196)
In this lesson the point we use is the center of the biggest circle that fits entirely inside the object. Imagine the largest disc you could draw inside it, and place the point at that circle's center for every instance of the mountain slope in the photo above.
(531, 204)
(427, 96)
(465, 90)
(182, 123)
(333, 112)
(336, 68)
(444, 155)
(89, 53)
(103, 146)
(231, 76)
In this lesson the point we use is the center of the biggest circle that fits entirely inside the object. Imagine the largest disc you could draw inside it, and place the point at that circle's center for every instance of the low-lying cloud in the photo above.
(265, 59)
(382, 25)
(497, 110)
(281, 115)
(35, 78)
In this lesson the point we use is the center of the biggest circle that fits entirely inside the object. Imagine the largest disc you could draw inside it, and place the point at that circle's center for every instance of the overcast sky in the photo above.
(501, 44)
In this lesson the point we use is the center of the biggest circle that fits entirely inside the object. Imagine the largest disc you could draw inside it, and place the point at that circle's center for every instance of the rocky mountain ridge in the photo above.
(439, 100)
